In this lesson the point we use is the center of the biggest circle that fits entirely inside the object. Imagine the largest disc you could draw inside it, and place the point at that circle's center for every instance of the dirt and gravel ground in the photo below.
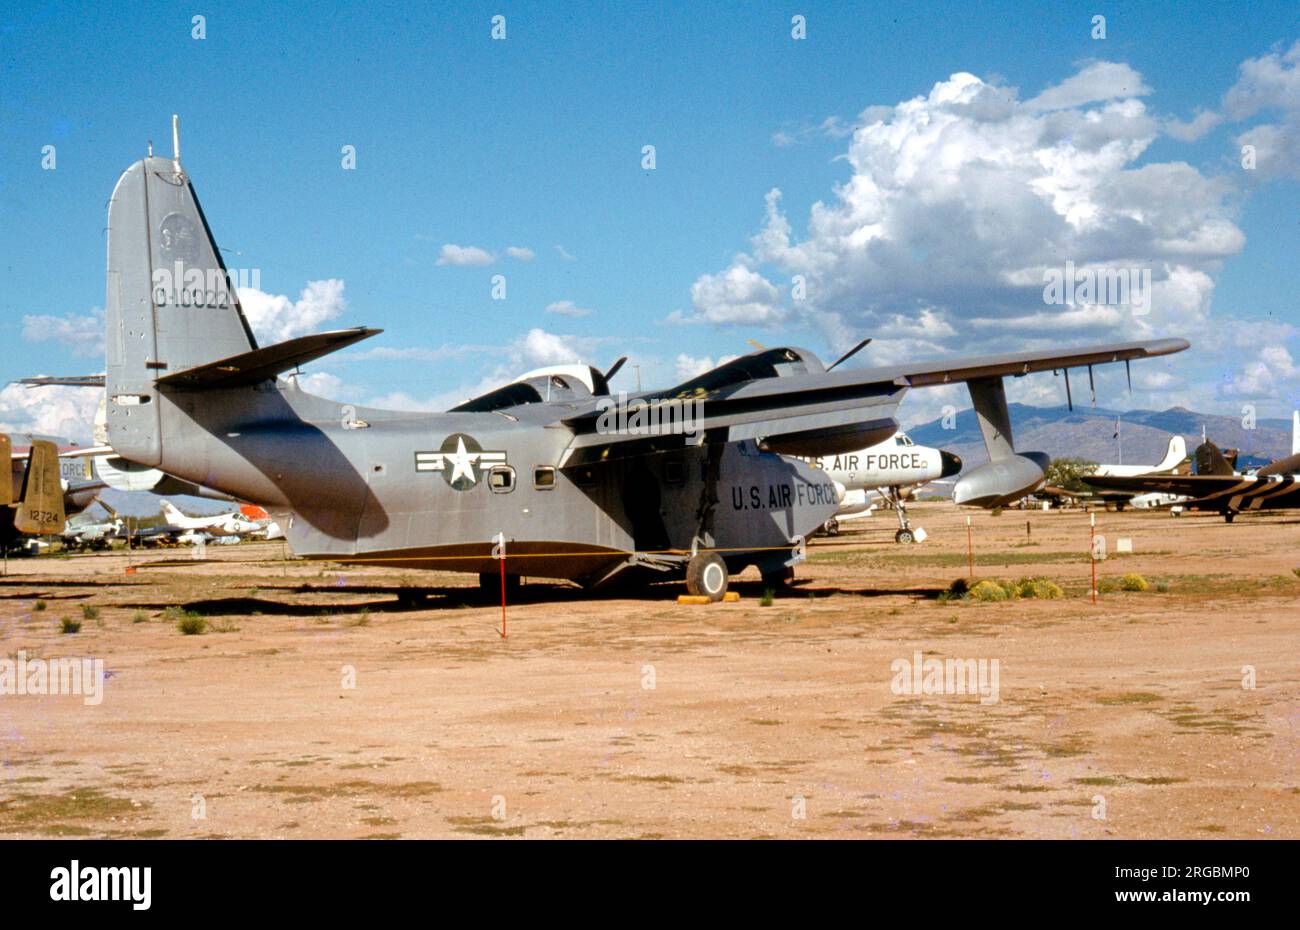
(316, 705)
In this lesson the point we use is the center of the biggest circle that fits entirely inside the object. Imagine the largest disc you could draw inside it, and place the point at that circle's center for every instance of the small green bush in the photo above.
(192, 624)
(1039, 588)
(187, 621)
(988, 591)
(1133, 582)
(89, 612)
(68, 625)
(38, 606)
(768, 596)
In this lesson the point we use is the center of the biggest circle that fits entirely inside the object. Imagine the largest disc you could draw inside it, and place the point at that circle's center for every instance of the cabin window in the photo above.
(543, 477)
(501, 479)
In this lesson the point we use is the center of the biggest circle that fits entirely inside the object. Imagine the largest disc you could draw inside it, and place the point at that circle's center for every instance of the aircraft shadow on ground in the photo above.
(394, 599)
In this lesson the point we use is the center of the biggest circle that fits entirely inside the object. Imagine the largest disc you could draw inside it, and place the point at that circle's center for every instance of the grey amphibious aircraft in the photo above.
(551, 472)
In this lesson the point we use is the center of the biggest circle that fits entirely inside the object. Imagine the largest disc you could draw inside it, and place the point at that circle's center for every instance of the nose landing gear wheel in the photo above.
(707, 576)
(904, 536)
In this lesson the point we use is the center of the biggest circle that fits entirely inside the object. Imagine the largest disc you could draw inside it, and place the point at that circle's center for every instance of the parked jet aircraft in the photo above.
(543, 474)
(85, 532)
(888, 467)
(221, 524)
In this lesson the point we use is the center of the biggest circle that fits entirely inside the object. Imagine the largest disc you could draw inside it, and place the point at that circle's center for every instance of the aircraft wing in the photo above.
(1208, 492)
(73, 453)
(950, 371)
(786, 399)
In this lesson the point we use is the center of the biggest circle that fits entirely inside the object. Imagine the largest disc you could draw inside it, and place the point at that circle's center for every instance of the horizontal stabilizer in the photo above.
(262, 364)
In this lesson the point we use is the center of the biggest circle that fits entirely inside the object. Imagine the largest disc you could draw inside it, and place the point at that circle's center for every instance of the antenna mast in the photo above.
(176, 142)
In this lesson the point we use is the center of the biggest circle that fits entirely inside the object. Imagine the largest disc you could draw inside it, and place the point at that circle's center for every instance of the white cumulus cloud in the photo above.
(567, 308)
(465, 256)
(82, 334)
(276, 317)
(61, 412)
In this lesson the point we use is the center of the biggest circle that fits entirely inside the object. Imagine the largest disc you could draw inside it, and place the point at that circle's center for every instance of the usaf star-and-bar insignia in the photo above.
(457, 459)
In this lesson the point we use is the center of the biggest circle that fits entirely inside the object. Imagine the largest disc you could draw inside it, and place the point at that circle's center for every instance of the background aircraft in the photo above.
(85, 532)
(1173, 460)
(888, 467)
(31, 494)
(221, 524)
(1217, 487)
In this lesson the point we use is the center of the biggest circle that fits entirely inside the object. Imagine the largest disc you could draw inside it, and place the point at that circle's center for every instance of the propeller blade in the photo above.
(613, 370)
(1069, 399)
(1092, 386)
(852, 352)
(757, 345)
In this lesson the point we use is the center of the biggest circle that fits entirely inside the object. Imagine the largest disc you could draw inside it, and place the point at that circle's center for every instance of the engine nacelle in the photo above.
(1002, 482)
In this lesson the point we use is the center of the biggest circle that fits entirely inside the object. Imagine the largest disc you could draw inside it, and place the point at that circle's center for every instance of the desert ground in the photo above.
(316, 704)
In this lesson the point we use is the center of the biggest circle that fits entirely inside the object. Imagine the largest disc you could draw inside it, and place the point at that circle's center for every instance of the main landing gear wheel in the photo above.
(832, 527)
(707, 576)
(904, 536)
(1228, 515)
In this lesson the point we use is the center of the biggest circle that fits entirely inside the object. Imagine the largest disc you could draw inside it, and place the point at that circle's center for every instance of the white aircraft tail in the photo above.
(1174, 456)
(173, 513)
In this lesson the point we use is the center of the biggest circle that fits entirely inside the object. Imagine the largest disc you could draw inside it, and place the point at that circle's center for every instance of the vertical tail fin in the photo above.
(172, 513)
(1174, 455)
(1210, 461)
(170, 303)
(40, 509)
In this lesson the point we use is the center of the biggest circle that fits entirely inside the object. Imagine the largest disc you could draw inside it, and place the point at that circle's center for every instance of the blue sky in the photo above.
(535, 143)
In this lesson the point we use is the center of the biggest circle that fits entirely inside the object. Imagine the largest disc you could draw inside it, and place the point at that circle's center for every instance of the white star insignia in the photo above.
(462, 462)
